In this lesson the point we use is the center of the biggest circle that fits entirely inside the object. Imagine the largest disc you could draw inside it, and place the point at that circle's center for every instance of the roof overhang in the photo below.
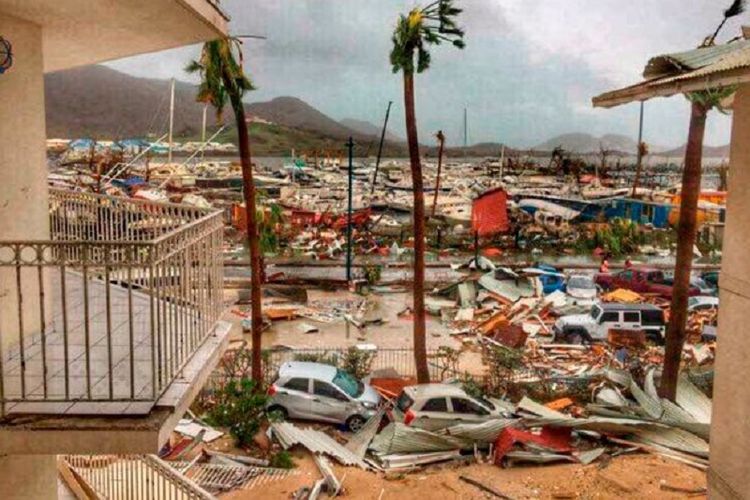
(725, 69)
(82, 32)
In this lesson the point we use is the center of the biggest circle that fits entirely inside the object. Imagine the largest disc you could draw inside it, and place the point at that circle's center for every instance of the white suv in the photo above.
(578, 328)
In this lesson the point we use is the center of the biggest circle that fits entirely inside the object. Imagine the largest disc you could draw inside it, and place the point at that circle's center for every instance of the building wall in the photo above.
(729, 475)
(23, 169)
(28, 477)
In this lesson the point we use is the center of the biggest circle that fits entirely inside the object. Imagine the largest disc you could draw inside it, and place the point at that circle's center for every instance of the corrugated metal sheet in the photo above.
(693, 401)
(485, 432)
(686, 72)
(489, 213)
(228, 477)
(359, 442)
(400, 438)
(315, 441)
(681, 62)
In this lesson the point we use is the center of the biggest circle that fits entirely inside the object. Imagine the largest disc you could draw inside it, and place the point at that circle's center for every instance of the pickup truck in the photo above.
(639, 280)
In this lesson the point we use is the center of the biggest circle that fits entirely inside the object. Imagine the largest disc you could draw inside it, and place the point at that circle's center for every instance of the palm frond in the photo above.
(421, 28)
(737, 8)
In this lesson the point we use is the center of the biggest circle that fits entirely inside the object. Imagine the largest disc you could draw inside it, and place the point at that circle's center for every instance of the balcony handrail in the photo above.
(127, 290)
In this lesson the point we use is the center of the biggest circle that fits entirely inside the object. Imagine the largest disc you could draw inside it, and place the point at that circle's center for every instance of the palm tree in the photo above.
(223, 79)
(414, 32)
(701, 103)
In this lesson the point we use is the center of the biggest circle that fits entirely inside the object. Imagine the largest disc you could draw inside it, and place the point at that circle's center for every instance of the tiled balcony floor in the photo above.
(109, 380)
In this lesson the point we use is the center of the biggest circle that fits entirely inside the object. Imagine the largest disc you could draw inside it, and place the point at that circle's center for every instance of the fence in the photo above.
(237, 364)
(113, 305)
(134, 477)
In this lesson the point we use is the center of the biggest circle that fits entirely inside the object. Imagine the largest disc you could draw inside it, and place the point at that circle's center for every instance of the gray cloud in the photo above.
(528, 72)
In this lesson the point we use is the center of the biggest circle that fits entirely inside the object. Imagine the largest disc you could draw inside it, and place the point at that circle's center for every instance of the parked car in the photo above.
(582, 289)
(314, 391)
(579, 328)
(702, 303)
(711, 278)
(695, 282)
(640, 280)
(551, 278)
(436, 406)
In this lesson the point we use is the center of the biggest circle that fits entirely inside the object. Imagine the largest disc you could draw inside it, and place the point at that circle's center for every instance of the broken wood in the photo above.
(484, 488)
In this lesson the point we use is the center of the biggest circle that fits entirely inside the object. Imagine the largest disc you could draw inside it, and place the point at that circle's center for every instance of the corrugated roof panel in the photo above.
(315, 441)
(680, 62)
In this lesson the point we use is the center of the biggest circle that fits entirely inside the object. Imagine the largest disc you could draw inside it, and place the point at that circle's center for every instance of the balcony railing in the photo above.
(133, 477)
(111, 308)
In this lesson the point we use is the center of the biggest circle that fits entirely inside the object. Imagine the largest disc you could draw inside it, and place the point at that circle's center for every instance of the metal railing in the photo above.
(113, 306)
(134, 477)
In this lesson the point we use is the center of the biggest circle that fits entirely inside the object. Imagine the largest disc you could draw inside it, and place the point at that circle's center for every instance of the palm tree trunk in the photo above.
(420, 347)
(253, 241)
(686, 229)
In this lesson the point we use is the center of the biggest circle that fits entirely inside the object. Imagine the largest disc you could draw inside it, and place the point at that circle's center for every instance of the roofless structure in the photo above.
(716, 67)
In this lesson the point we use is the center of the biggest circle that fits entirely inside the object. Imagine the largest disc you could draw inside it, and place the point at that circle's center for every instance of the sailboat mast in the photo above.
(171, 121)
(466, 132)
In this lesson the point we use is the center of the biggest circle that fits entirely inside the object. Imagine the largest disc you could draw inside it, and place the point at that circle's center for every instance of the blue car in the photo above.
(552, 280)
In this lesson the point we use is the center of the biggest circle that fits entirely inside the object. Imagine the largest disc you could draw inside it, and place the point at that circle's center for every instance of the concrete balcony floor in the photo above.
(111, 373)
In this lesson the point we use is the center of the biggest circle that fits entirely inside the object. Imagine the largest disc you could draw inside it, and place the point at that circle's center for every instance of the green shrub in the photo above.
(240, 409)
(357, 362)
(282, 460)
(322, 357)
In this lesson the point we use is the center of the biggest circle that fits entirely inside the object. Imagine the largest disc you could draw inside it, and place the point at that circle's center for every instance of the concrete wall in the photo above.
(28, 477)
(729, 476)
(23, 169)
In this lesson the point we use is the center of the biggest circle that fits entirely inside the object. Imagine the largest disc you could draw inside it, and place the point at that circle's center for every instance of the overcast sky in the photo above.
(528, 72)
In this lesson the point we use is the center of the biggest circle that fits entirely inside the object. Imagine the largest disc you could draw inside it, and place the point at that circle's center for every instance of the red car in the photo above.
(639, 280)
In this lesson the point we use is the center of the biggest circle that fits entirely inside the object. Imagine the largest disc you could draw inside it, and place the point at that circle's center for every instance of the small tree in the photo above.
(223, 79)
(414, 32)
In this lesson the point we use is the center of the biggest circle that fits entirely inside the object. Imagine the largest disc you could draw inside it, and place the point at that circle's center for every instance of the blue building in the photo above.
(642, 212)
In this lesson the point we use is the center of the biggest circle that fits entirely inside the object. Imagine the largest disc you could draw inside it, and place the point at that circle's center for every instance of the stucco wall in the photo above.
(28, 477)
(23, 168)
(730, 429)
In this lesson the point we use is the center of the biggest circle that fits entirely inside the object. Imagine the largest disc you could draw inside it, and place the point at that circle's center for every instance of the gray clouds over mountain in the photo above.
(529, 70)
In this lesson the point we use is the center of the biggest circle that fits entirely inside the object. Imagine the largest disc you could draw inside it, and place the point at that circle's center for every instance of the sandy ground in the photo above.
(625, 477)
(396, 332)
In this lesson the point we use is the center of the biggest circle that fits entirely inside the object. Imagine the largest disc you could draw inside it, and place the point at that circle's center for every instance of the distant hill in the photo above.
(708, 152)
(99, 102)
(587, 143)
(296, 113)
(367, 128)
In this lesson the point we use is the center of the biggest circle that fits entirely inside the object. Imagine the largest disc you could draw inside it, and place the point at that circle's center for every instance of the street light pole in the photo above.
(350, 146)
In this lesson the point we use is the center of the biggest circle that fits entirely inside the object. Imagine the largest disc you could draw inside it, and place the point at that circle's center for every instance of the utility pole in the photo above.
(203, 131)
(171, 120)
(441, 144)
(350, 146)
(380, 148)
(466, 132)
(639, 161)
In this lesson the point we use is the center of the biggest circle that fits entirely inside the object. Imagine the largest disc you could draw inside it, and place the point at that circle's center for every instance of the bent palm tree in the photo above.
(431, 25)
(223, 79)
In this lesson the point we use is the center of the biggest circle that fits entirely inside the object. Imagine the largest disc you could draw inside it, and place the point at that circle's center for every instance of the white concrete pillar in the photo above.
(23, 167)
(729, 475)
(29, 477)
(23, 216)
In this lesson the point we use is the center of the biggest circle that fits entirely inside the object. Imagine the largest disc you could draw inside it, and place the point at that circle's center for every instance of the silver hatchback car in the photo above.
(315, 391)
(437, 406)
